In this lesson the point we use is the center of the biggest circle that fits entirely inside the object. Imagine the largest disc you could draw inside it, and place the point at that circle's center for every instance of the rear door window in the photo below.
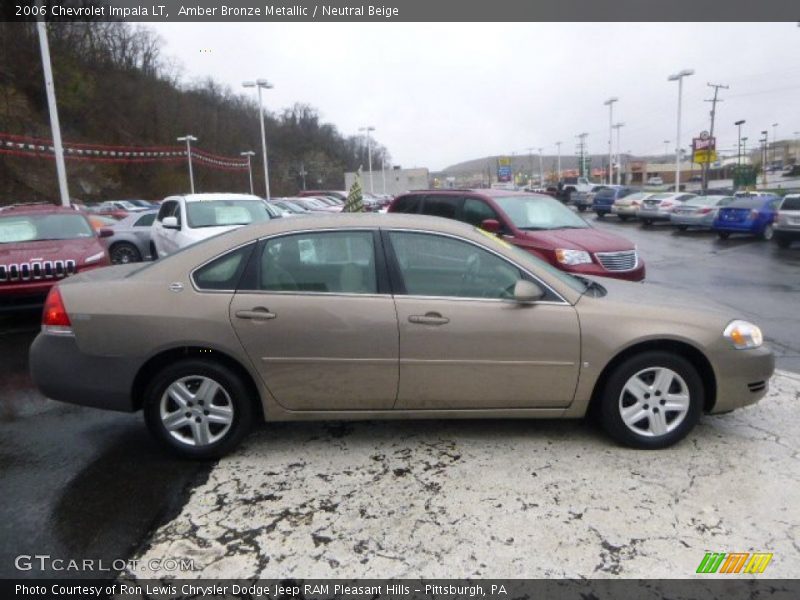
(145, 221)
(448, 207)
(407, 205)
(476, 211)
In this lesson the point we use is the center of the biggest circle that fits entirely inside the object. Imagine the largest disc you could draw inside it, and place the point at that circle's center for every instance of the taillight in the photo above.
(635, 203)
(753, 214)
(704, 211)
(55, 313)
(666, 204)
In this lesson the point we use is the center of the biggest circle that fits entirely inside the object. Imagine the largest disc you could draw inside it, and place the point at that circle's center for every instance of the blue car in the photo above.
(752, 215)
(604, 199)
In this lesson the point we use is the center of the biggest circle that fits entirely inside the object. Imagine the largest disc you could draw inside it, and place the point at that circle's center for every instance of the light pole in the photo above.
(383, 170)
(744, 148)
(679, 78)
(610, 104)
(739, 147)
(55, 126)
(774, 141)
(666, 150)
(261, 84)
(367, 129)
(248, 154)
(618, 126)
(541, 170)
(765, 141)
(189, 139)
(558, 165)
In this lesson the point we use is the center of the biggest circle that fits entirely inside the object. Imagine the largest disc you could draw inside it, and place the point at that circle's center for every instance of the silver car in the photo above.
(659, 207)
(131, 240)
(787, 221)
(699, 211)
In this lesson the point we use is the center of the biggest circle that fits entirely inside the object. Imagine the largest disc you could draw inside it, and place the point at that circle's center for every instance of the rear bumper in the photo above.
(62, 372)
(654, 215)
(742, 377)
(735, 228)
(691, 221)
(625, 211)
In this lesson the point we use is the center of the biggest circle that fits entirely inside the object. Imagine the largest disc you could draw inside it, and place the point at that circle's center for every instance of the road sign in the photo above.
(704, 149)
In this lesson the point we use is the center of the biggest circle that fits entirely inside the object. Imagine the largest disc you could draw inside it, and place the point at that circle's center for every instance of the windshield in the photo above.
(539, 212)
(661, 196)
(637, 196)
(221, 213)
(791, 203)
(30, 228)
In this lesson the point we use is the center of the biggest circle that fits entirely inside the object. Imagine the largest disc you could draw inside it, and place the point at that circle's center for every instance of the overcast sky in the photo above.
(439, 94)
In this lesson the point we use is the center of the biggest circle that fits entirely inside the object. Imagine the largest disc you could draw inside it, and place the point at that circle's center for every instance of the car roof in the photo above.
(22, 209)
(491, 192)
(214, 196)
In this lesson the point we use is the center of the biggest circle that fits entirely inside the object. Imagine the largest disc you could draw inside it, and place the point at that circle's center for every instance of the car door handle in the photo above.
(257, 314)
(431, 318)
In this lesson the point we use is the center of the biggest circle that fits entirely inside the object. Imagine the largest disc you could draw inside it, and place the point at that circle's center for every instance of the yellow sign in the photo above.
(704, 156)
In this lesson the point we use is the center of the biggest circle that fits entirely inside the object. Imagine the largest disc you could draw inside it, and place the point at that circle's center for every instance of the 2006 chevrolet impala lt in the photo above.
(385, 316)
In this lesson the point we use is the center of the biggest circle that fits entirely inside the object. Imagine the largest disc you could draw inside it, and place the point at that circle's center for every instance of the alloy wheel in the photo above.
(654, 401)
(196, 410)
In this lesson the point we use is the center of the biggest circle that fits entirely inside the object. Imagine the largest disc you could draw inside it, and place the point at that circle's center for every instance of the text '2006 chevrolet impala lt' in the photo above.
(385, 316)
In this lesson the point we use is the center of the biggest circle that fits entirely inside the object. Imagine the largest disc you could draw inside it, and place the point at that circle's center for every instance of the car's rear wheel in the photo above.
(153, 252)
(768, 233)
(199, 408)
(723, 235)
(647, 222)
(600, 215)
(683, 227)
(123, 253)
(581, 208)
(782, 241)
(623, 217)
(652, 400)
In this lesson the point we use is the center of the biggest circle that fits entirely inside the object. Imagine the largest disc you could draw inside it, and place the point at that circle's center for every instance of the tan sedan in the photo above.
(385, 316)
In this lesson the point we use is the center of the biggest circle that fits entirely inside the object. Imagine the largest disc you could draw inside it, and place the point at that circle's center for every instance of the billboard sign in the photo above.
(704, 149)
(504, 169)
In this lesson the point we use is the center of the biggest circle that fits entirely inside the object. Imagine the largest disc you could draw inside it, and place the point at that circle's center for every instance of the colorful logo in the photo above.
(734, 562)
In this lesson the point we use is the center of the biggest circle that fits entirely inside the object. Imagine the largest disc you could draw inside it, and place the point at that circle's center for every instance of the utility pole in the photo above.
(303, 173)
(189, 139)
(610, 104)
(714, 100)
(530, 159)
(765, 143)
(774, 141)
(618, 126)
(558, 167)
(55, 126)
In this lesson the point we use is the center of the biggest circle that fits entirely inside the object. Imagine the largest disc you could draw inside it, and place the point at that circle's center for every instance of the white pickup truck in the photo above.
(569, 185)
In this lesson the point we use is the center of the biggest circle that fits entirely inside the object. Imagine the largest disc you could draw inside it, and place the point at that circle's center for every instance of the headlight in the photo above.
(572, 257)
(94, 258)
(743, 335)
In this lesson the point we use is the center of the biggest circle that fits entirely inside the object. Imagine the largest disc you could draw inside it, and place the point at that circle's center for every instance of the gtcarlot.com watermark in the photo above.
(47, 562)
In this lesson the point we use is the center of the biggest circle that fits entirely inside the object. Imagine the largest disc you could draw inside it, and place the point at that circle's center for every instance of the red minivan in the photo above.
(536, 223)
(41, 244)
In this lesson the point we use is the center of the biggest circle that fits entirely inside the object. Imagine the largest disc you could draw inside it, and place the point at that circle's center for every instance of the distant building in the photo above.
(397, 180)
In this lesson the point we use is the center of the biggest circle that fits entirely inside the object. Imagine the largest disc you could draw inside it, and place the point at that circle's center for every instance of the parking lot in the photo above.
(471, 498)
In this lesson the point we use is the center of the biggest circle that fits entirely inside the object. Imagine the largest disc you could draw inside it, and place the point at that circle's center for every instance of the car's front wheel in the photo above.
(783, 241)
(768, 233)
(123, 253)
(199, 408)
(652, 400)
(723, 235)
(623, 218)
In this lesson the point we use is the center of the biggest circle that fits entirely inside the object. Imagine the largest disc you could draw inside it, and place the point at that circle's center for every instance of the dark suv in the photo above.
(536, 223)
(40, 244)
(604, 199)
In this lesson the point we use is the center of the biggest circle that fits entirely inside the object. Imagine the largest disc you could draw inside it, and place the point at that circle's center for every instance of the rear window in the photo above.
(791, 203)
(605, 193)
(747, 203)
(407, 204)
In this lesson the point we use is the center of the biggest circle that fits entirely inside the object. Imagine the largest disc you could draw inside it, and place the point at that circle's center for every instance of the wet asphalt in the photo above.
(82, 483)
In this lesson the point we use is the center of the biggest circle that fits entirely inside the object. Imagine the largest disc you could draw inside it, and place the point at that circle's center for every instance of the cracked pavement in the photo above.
(491, 498)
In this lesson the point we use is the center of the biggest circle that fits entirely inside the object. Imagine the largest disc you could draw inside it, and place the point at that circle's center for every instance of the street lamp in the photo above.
(744, 148)
(739, 147)
(248, 154)
(261, 84)
(558, 167)
(367, 129)
(55, 126)
(679, 78)
(666, 149)
(618, 126)
(541, 170)
(610, 104)
(765, 142)
(189, 139)
(774, 140)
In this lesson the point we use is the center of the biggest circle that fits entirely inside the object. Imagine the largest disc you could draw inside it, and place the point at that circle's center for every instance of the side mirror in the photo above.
(527, 291)
(104, 233)
(491, 225)
(170, 223)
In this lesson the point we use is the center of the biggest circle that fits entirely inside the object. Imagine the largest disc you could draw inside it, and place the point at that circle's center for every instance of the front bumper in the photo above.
(742, 376)
(62, 372)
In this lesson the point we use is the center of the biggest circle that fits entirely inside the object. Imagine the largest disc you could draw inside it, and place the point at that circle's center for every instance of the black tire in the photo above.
(153, 252)
(124, 252)
(600, 215)
(768, 233)
(612, 399)
(683, 227)
(724, 235)
(647, 222)
(239, 398)
(782, 241)
(623, 218)
(581, 208)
